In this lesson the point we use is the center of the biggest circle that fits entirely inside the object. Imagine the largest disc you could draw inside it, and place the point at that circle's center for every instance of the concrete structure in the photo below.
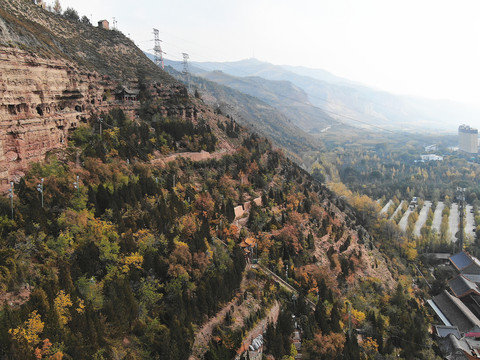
(238, 211)
(455, 311)
(454, 348)
(462, 286)
(431, 157)
(468, 139)
(467, 265)
(432, 147)
(104, 24)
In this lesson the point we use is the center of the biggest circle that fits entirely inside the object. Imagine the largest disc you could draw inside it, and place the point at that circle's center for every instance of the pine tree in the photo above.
(230, 211)
(335, 318)
(321, 317)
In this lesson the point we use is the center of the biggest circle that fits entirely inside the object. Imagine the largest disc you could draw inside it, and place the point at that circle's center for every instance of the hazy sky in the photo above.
(428, 48)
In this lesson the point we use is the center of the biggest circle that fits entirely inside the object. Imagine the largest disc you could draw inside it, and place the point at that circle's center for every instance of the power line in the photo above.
(378, 127)
(336, 114)
(327, 111)
(363, 122)
(247, 74)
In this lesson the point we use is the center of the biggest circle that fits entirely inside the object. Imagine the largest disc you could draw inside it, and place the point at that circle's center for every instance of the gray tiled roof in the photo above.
(472, 277)
(456, 312)
(472, 268)
(462, 286)
(444, 331)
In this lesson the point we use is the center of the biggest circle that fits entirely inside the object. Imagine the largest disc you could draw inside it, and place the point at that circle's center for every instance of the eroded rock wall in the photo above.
(41, 100)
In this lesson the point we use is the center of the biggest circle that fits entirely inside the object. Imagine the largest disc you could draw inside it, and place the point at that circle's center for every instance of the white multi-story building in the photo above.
(468, 139)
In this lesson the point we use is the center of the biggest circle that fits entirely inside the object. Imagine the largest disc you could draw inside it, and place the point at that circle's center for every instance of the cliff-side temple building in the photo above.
(468, 139)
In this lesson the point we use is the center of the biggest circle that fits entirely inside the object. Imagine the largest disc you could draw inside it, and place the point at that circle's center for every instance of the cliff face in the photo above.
(55, 73)
(40, 101)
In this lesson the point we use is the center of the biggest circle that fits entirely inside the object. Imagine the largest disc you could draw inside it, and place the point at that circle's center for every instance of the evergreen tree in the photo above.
(230, 211)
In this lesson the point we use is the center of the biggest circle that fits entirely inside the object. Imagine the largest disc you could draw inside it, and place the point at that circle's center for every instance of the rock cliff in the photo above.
(40, 101)
(55, 73)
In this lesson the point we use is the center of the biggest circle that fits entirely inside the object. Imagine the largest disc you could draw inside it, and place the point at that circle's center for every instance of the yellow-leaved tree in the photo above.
(26, 336)
(62, 304)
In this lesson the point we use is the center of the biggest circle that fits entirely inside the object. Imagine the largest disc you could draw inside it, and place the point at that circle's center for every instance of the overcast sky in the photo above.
(428, 48)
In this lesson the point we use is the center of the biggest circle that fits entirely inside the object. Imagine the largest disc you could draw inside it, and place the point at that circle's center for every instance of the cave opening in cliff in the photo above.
(39, 110)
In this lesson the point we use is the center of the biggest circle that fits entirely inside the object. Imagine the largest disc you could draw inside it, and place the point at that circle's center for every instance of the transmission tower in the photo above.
(186, 70)
(114, 24)
(158, 49)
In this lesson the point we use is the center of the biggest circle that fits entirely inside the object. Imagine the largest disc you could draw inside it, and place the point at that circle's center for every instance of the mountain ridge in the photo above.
(256, 114)
(287, 98)
(344, 99)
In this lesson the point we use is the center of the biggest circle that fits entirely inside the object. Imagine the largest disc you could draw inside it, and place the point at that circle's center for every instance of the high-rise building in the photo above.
(468, 139)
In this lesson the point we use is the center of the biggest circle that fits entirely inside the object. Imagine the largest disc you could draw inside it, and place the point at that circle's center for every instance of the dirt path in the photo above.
(422, 217)
(272, 316)
(399, 208)
(437, 217)
(194, 156)
(404, 220)
(203, 336)
(386, 207)
(453, 221)
(469, 222)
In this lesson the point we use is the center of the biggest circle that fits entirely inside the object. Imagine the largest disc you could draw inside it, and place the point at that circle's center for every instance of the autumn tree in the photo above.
(62, 304)
(27, 335)
(57, 8)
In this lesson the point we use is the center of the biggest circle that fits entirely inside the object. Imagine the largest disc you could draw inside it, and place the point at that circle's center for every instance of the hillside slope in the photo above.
(138, 229)
(287, 98)
(256, 114)
(283, 95)
(47, 35)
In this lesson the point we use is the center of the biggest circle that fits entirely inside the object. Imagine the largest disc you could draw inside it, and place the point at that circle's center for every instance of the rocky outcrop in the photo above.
(55, 73)
(41, 100)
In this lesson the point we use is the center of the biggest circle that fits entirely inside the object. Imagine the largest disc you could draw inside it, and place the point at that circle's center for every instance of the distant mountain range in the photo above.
(334, 98)
(287, 98)
(249, 110)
